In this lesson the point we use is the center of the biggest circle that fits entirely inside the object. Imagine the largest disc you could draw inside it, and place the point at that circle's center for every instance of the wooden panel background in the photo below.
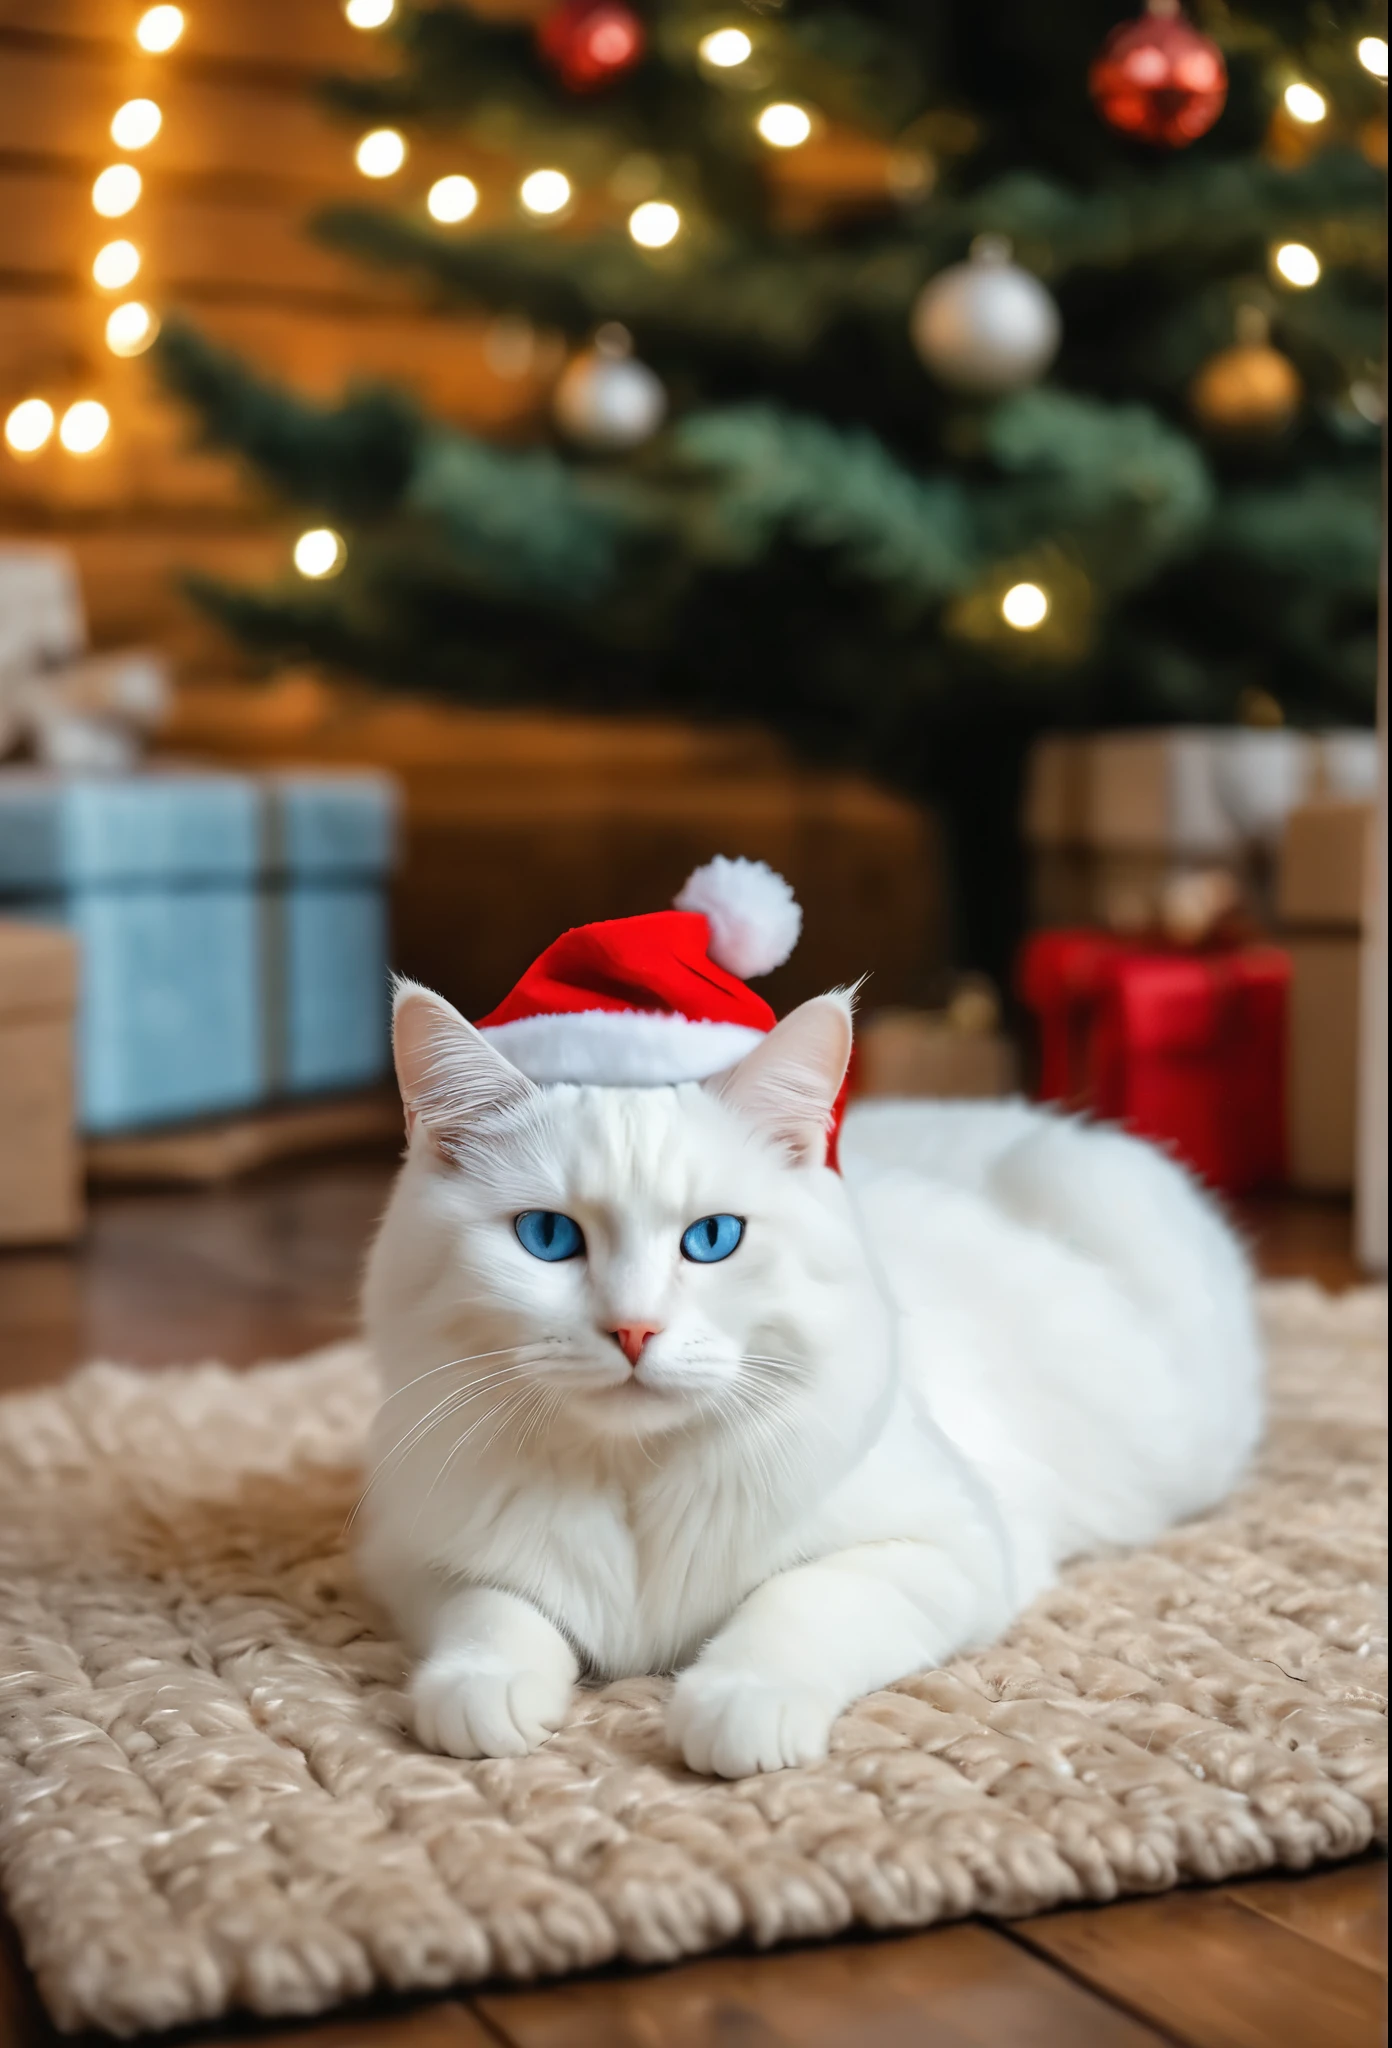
(244, 154)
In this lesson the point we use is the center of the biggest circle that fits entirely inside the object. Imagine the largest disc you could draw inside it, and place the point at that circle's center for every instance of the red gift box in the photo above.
(1188, 1049)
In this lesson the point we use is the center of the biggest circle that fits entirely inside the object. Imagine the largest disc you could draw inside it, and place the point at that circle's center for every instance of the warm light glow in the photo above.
(785, 125)
(1297, 264)
(725, 47)
(29, 426)
(1024, 607)
(451, 199)
(116, 190)
(545, 191)
(84, 427)
(135, 124)
(320, 552)
(369, 13)
(159, 29)
(1372, 55)
(115, 265)
(381, 153)
(1305, 104)
(654, 224)
(130, 329)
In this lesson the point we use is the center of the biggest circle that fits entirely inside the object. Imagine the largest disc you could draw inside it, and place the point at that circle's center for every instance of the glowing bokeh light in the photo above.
(381, 153)
(115, 265)
(320, 552)
(29, 426)
(84, 427)
(545, 191)
(1024, 607)
(116, 190)
(784, 125)
(451, 199)
(654, 224)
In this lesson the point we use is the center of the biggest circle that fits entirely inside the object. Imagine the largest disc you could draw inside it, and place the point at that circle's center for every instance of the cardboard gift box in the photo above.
(232, 931)
(1322, 888)
(40, 1162)
(1113, 819)
(949, 1054)
(1185, 1048)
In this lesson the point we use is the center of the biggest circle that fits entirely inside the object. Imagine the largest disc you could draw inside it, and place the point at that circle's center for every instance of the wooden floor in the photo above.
(269, 1269)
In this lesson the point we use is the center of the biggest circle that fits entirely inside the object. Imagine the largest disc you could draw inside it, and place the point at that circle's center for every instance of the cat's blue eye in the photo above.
(548, 1235)
(711, 1239)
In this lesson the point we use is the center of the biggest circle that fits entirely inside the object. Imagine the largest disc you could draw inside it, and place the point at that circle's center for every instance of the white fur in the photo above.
(856, 1446)
(755, 919)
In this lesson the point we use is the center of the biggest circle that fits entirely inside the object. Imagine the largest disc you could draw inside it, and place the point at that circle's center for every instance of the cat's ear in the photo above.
(448, 1073)
(789, 1084)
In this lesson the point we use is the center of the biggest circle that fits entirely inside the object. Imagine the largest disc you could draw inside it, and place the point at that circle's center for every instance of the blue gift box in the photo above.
(232, 930)
(327, 845)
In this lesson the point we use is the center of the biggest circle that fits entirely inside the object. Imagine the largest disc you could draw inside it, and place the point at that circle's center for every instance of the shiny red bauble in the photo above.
(1160, 80)
(591, 41)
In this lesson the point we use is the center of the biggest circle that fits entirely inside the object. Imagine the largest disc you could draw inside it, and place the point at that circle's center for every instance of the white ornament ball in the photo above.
(606, 399)
(986, 325)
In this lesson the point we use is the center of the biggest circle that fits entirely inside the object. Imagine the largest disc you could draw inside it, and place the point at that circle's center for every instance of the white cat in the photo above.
(665, 1393)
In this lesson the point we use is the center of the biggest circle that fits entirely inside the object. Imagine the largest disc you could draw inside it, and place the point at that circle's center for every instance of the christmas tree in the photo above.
(935, 373)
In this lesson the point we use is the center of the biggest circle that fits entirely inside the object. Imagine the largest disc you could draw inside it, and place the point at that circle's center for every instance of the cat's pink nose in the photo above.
(631, 1337)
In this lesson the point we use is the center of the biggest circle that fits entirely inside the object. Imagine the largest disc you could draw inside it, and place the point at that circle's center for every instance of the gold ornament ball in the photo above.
(1251, 388)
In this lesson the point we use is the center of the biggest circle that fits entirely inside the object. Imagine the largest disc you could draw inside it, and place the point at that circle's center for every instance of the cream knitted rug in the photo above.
(207, 1799)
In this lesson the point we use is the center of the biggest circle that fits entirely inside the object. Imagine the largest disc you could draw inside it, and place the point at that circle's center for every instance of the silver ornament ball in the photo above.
(986, 325)
(606, 399)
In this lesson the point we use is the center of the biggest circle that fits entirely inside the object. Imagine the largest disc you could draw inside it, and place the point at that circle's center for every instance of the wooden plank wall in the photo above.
(243, 156)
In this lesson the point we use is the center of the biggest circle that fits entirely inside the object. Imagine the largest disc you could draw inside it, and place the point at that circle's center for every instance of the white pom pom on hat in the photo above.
(755, 919)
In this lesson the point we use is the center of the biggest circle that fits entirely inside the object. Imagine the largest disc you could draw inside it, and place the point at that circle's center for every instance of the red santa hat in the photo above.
(643, 1001)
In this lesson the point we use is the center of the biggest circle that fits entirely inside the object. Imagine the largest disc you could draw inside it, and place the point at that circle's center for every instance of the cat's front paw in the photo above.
(472, 1703)
(731, 1724)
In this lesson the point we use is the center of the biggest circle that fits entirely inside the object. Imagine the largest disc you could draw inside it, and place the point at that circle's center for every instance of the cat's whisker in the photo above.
(449, 1404)
(470, 1358)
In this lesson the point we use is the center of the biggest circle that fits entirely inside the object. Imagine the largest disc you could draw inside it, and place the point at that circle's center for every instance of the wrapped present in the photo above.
(328, 847)
(1190, 1049)
(232, 931)
(1114, 820)
(1060, 980)
(1323, 886)
(60, 706)
(957, 1053)
(1186, 1048)
(40, 1174)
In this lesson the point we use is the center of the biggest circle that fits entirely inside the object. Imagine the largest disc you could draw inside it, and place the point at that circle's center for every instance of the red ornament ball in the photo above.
(591, 41)
(1160, 80)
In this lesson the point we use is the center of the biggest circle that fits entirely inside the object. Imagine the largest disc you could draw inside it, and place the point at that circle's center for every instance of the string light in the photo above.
(116, 190)
(654, 224)
(381, 153)
(369, 13)
(84, 427)
(319, 553)
(545, 191)
(725, 47)
(159, 28)
(115, 265)
(1297, 264)
(451, 199)
(1024, 607)
(130, 329)
(135, 124)
(1372, 55)
(784, 125)
(1303, 103)
(29, 425)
